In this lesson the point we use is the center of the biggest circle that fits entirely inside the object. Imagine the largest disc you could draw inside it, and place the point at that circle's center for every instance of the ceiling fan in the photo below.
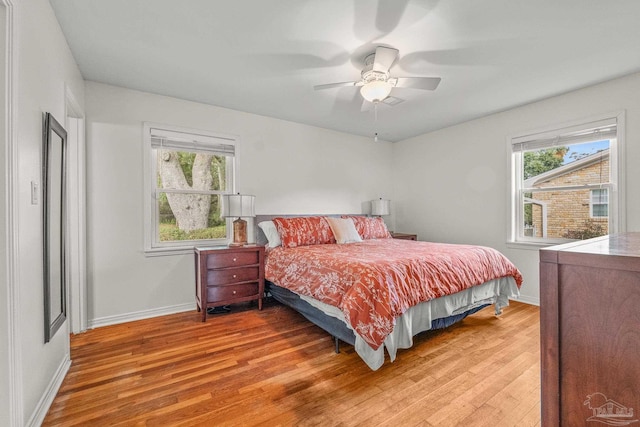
(376, 84)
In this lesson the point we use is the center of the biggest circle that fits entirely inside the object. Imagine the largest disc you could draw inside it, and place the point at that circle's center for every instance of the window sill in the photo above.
(181, 250)
(532, 246)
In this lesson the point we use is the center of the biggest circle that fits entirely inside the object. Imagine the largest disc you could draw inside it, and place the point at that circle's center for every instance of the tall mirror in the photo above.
(55, 301)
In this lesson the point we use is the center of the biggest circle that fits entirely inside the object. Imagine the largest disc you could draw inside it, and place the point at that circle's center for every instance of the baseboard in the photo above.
(50, 393)
(527, 300)
(139, 315)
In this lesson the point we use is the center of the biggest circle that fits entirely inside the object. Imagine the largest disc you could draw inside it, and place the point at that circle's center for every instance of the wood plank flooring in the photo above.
(273, 367)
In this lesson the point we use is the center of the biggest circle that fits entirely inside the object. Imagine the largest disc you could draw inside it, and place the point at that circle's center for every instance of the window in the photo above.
(599, 203)
(186, 173)
(566, 182)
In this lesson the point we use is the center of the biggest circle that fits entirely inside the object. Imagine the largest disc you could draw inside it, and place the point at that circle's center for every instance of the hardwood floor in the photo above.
(273, 367)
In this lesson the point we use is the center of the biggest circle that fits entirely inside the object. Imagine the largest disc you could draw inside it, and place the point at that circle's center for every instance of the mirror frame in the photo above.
(54, 216)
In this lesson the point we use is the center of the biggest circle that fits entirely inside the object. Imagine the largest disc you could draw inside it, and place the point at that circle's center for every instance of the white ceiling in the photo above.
(265, 56)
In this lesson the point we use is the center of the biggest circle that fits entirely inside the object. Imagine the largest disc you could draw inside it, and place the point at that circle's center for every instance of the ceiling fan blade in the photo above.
(424, 83)
(385, 56)
(332, 85)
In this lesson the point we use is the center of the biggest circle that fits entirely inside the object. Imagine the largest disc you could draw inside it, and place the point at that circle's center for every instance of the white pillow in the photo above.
(344, 230)
(271, 232)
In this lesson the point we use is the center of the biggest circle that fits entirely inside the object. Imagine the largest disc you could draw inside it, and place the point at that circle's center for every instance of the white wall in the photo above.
(289, 167)
(4, 246)
(43, 65)
(451, 185)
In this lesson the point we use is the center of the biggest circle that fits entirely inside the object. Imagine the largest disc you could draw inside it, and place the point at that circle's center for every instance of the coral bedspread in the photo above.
(375, 281)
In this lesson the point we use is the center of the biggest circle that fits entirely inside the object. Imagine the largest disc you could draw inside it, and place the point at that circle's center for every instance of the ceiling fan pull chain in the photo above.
(375, 120)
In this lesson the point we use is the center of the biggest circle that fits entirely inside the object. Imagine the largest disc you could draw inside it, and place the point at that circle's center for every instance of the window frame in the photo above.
(201, 139)
(616, 193)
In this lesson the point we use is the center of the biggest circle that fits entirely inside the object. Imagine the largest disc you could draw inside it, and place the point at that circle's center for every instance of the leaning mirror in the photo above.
(55, 301)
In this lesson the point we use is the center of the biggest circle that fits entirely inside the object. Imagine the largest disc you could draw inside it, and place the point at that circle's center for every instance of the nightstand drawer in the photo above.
(232, 259)
(222, 293)
(233, 275)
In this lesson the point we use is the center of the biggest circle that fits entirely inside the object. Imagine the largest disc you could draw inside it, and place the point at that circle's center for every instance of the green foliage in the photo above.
(537, 162)
(186, 160)
(590, 229)
(170, 232)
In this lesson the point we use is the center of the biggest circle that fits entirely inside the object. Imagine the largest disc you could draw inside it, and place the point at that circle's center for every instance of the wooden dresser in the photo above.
(227, 275)
(590, 332)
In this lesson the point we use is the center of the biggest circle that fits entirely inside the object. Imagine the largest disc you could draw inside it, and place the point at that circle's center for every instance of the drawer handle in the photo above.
(234, 292)
(235, 259)
(234, 276)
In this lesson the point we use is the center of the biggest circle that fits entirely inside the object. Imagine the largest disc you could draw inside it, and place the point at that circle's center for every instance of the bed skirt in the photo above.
(435, 314)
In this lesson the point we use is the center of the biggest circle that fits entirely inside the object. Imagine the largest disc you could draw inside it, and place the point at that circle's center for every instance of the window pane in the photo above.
(189, 217)
(600, 196)
(184, 170)
(599, 203)
(600, 211)
(572, 164)
(563, 214)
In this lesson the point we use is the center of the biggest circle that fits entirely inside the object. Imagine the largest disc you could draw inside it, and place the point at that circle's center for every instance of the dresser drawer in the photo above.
(232, 275)
(229, 292)
(222, 260)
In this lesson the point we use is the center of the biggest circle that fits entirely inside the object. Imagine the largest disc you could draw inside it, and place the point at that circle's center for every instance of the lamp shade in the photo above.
(238, 205)
(376, 90)
(380, 207)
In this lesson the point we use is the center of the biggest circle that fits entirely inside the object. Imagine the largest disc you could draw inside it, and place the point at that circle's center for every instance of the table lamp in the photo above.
(238, 206)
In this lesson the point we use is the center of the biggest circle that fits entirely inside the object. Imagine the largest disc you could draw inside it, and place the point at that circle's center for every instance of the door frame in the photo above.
(76, 217)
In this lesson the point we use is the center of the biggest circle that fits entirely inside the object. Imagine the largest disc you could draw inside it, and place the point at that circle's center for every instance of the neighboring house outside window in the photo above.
(186, 173)
(566, 182)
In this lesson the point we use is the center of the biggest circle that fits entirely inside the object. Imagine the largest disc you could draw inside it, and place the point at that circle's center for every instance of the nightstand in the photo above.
(227, 275)
(404, 236)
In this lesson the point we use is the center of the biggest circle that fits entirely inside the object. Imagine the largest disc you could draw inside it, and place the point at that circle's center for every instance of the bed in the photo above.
(348, 276)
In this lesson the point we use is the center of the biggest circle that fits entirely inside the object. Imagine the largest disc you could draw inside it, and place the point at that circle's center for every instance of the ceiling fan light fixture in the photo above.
(376, 90)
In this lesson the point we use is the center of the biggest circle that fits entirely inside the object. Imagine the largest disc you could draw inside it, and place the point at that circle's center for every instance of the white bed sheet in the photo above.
(418, 318)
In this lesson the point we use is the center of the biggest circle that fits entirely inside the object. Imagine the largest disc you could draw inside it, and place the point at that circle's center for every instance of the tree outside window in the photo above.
(185, 213)
(188, 172)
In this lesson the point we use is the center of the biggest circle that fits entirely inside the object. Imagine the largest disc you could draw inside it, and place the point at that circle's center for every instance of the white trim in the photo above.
(50, 394)
(76, 234)
(181, 250)
(617, 161)
(556, 134)
(139, 315)
(16, 404)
